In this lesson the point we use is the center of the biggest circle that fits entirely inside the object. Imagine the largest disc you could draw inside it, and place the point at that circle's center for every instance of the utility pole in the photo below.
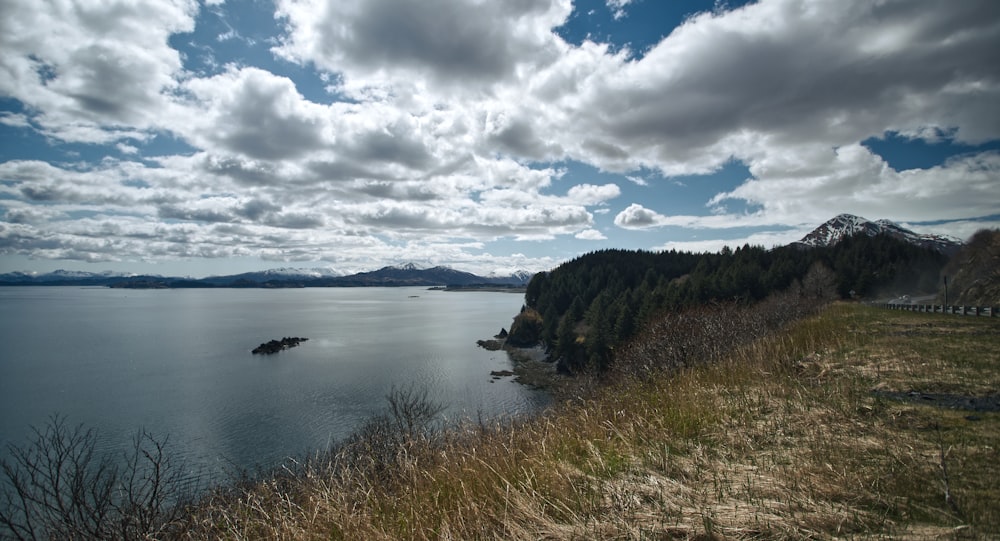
(946, 291)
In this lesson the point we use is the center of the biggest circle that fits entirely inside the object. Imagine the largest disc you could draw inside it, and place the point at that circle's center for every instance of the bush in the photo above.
(380, 445)
(704, 333)
(526, 331)
(57, 487)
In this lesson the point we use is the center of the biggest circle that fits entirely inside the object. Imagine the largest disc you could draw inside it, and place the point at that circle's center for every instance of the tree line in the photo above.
(585, 308)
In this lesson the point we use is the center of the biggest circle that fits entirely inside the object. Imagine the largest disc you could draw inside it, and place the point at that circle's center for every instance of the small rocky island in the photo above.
(274, 346)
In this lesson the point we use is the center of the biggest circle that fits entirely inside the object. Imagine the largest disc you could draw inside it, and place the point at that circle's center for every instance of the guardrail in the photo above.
(986, 311)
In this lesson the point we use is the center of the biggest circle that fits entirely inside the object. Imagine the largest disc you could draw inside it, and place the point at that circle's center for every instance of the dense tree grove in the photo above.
(586, 307)
(974, 272)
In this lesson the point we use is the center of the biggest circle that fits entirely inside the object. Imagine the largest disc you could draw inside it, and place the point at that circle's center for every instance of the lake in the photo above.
(178, 363)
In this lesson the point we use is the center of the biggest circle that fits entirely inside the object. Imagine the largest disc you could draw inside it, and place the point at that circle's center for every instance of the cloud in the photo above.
(955, 195)
(617, 8)
(14, 120)
(254, 113)
(768, 240)
(588, 194)
(392, 143)
(773, 74)
(636, 216)
(102, 187)
(268, 215)
(126, 148)
(590, 234)
(87, 66)
(853, 179)
(446, 42)
(791, 93)
(518, 137)
(961, 229)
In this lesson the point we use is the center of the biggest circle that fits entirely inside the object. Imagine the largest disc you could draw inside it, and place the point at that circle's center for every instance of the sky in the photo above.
(193, 138)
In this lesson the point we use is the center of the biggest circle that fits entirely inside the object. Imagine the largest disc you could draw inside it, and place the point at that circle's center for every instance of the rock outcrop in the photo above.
(274, 346)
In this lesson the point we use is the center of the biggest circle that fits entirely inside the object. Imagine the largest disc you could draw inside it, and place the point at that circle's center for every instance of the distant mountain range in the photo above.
(827, 234)
(846, 225)
(406, 275)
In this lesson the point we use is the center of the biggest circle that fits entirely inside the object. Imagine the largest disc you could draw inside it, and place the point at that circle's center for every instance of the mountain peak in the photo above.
(845, 217)
(845, 225)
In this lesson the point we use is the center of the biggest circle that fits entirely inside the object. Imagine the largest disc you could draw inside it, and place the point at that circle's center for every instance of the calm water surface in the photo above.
(178, 363)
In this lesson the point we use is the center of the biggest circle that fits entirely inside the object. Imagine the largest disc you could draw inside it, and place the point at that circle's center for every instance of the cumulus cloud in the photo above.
(636, 216)
(90, 65)
(454, 42)
(588, 194)
(792, 92)
(254, 113)
(448, 123)
(590, 234)
(855, 180)
(771, 74)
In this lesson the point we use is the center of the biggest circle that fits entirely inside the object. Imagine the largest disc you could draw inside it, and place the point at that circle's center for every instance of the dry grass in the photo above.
(781, 439)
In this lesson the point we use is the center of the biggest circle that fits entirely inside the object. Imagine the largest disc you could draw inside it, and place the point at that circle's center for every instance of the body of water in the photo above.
(178, 363)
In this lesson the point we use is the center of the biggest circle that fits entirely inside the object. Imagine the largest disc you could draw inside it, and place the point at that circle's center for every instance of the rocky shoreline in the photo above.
(531, 365)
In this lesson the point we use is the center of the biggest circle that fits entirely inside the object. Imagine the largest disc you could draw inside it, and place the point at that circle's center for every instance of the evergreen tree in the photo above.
(608, 295)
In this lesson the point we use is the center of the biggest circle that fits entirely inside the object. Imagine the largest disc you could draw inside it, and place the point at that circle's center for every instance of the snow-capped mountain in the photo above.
(846, 225)
(522, 275)
(516, 277)
(64, 277)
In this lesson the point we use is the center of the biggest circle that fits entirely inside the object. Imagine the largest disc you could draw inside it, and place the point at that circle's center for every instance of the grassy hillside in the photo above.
(847, 425)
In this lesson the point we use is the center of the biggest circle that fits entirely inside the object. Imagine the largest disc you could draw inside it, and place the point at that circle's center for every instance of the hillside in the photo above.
(829, 429)
(583, 310)
(974, 272)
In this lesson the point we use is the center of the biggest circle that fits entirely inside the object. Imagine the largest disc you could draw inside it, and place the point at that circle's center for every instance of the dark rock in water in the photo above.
(501, 373)
(490, 345)
(274, 346)
(496, 344)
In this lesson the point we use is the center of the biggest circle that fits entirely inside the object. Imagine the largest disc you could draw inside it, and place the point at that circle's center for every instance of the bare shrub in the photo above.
(704, 333)
(382, 442)
(58, 487)
(150, 489)
(412, 412)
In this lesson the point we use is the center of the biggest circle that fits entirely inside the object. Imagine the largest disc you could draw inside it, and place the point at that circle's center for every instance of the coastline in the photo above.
(489, 288)
(531, 366)
(533, 369)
